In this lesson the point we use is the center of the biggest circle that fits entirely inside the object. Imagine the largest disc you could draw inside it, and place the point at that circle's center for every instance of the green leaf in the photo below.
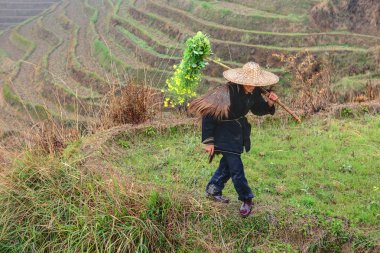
(183, 84)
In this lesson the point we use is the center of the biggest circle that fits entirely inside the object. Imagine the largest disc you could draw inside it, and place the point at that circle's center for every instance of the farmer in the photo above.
(226, 131)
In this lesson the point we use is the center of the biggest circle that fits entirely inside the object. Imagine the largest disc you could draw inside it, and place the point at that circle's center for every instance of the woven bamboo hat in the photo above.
(251, 74)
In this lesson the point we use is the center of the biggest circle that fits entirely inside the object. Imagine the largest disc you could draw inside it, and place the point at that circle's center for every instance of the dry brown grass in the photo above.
(51, 137)
(132, 104)
(311, 81)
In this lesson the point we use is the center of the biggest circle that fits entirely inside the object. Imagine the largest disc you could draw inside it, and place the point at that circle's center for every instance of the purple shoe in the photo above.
(246, 208)
(218, 198)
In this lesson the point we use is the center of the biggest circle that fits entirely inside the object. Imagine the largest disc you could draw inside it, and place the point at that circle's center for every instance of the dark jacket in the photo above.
(231, 134)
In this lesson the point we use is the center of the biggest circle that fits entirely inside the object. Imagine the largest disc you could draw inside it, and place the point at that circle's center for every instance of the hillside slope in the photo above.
(61, 63)
(16, 11)
(141, 189)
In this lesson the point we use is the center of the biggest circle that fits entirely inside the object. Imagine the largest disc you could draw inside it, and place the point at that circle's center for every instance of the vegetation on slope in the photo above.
(36, 111)
(152, 201)
(316, 184)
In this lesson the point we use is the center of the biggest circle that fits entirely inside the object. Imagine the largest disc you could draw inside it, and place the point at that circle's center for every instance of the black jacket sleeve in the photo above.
(261, 107)
(208, 128)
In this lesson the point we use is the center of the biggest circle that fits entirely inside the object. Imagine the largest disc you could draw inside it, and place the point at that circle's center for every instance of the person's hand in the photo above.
(272, 97)
(210, 149)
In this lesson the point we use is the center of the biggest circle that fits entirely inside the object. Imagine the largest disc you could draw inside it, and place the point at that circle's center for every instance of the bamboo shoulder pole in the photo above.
(266, 92)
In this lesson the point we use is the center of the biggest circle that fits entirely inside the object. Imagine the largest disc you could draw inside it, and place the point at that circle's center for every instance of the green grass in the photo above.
(45, 58)
(74, 211)
(107, 59)
(321, 48)
(354, 83)
(92, 12)
(22, 42)
(218, 6)
(117, 67)
(9, 95)
(93, 15)
(44, 74)
(143, 44)
(207, 26)
(156, 37)
(284, 7)
(348, 87)
(308, 180)
(118, 6)
(329, 168)
(72, 58)
(153, 34)
(88, 77)
(260, 32)
(35, 110)
(3, 53)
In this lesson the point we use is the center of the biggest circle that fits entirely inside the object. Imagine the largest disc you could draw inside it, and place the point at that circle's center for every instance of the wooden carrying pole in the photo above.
(266, 92)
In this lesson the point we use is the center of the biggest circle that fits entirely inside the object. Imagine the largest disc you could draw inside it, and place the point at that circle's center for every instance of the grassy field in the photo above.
(320, 167)
(316, 189)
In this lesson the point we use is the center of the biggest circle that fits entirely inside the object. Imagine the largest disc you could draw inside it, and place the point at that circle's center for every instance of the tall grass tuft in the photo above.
(50, 136)
(133, 104)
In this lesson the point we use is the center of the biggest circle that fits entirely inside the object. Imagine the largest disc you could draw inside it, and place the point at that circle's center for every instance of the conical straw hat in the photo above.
(251, 74)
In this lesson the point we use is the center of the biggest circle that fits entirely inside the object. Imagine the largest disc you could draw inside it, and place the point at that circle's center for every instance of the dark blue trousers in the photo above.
(230, 166)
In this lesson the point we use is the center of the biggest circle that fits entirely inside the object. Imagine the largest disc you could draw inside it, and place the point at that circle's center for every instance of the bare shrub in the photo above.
(51, 137)
(311, 79)
(132, 104)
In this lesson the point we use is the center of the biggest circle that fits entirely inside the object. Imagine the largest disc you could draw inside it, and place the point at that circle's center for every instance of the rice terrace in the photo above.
(115, 114)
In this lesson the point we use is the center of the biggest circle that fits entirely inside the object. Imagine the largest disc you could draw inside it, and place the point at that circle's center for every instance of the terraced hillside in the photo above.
(62, 62)
(16, 11)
